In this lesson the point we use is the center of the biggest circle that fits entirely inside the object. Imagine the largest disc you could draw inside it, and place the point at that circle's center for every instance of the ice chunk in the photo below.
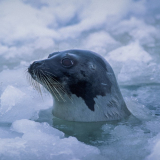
(133, 65)
(5, 132)
(132, 52)
(11, 17)
(138, 30)
(14, 77)
(41, 141)
(12, 105)
(10, 97)
(18, 99)
(154, 126)
(155, 148)
(124, 140)
(27, 126)
(137, 73)
(90, 19)
(155, 153)
(147, 95)
(138, 110)
(100, 42)
(43, 43)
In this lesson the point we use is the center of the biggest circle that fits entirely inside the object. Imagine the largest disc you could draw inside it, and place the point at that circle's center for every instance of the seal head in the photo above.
(82, 84)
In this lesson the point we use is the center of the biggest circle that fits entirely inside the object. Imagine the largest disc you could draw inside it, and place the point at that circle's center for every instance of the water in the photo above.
(125, 32)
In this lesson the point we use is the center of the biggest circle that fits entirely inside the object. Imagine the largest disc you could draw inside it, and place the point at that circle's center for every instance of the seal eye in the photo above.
(67, 62)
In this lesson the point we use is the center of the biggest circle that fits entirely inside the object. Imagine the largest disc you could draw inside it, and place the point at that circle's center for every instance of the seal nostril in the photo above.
(30, 69)
(35, 63)
(34, 66)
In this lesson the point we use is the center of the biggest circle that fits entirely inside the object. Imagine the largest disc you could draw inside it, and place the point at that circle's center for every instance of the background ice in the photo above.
(125, 32)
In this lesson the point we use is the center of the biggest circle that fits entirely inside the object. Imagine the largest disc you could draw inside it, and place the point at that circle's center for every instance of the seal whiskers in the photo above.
(54, 81)
(51, 84)
(33, 83)
(48, 87)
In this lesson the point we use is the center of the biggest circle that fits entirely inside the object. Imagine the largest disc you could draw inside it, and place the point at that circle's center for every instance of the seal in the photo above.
(82, 84)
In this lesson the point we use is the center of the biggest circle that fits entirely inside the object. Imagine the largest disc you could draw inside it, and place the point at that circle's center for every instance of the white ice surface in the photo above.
(155, 149)
(131, 52)
(100, 42)
(18, 97)
(133, 65)
(41, 141)
(138, 30)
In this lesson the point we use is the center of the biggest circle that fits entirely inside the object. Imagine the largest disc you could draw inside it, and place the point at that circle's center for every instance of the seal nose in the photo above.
(33, 66)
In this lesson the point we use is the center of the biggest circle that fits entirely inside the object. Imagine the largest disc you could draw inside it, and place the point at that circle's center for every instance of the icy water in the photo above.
(125, 32)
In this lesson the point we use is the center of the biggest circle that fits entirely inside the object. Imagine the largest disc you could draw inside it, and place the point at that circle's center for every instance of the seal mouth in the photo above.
(39, 78)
